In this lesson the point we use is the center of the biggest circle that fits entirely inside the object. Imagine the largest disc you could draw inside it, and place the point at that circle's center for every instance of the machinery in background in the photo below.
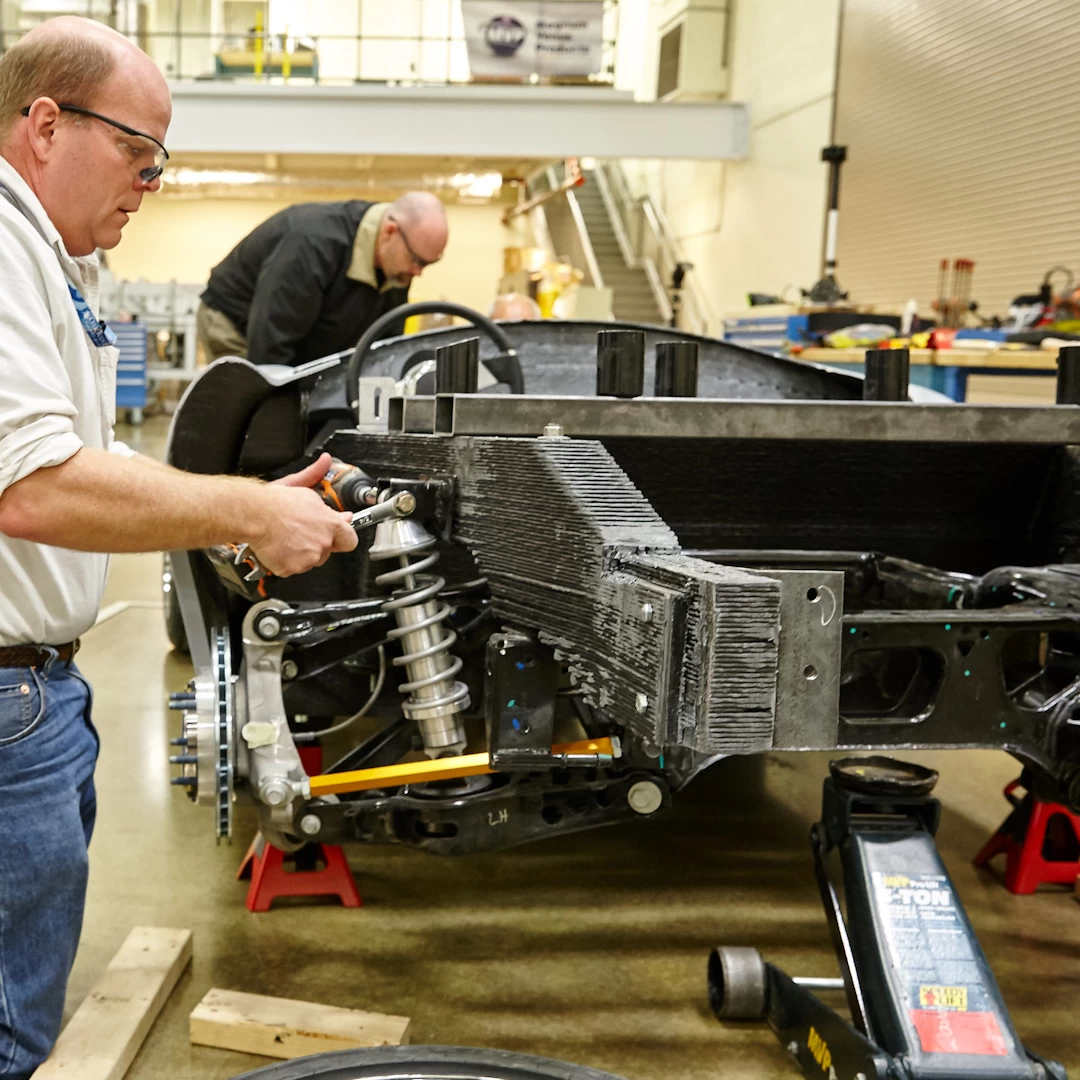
(166, 311)
(826, 291)
(1046, 308)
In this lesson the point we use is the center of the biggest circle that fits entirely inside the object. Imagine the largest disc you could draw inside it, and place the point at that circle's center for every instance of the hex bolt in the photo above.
(268, 627)
(310, 824)
(553, 431)
(405, 502)
(289, 670)
(646, 612)
(641, 703)
(275, 792)
(793, 1048)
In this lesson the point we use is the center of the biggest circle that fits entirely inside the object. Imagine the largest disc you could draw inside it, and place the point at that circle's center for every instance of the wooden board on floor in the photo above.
(103, 1037)
(283, 1028)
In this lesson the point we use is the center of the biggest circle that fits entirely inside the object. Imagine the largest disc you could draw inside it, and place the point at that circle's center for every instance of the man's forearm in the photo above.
(97, 501)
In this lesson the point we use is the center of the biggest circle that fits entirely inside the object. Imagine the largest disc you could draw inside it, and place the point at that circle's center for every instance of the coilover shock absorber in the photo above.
(436, 699)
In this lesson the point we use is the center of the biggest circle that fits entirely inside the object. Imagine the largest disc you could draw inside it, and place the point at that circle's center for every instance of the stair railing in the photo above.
(647, 243)
(563, 225)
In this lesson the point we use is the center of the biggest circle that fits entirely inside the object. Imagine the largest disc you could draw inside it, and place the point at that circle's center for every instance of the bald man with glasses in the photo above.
(311, 279)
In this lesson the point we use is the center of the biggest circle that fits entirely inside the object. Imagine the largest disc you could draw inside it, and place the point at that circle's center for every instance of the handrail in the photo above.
(648, 235)
(591, 263)
(634, 260)
(573, 179)
(608, 199)
(573, 241)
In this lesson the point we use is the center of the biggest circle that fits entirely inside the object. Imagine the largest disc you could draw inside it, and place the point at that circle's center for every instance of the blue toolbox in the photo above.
(131, 368)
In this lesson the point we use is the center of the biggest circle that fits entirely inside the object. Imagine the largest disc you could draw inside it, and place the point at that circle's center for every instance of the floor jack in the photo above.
(923, 1001)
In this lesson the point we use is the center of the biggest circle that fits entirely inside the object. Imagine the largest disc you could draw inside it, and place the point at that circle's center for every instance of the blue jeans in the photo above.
(48, 748)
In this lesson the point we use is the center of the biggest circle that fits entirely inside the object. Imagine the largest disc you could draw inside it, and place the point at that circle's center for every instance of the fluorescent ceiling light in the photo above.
(188, 177)
(483, 186)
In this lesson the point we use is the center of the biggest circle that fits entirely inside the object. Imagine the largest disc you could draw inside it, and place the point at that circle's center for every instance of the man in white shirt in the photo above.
(83, 119)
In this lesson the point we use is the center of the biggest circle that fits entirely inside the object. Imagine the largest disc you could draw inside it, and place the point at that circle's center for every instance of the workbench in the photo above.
(947, 370)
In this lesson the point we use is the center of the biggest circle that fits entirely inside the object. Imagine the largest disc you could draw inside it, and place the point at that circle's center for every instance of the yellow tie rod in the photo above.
(418, 772)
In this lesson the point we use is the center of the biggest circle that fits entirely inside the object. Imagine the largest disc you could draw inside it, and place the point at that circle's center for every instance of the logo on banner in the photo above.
(504, 35)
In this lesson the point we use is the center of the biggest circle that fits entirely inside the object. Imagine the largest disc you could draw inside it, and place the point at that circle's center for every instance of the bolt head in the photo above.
(268, 627)
(553, 431)
(647, 612)
(310, 824)
(405, 502)
(645, 797)
(275, 793)
(641, 703)
(289, 670)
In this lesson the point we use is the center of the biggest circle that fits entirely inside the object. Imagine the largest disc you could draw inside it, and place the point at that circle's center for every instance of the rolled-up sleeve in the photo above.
(37, 413)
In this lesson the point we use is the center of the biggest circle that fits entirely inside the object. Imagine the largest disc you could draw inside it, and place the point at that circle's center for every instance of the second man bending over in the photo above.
(311, 279)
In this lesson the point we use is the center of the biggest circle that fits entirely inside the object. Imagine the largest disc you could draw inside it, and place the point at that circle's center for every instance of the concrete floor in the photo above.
(591, 948)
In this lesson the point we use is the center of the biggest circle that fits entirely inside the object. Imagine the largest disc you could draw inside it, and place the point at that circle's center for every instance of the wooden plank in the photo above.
(103, 1037)
(283, 1028)
(917, 358)
(1028, 359)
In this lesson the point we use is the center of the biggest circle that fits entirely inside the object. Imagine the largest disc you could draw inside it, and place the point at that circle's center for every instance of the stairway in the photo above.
(632, 296)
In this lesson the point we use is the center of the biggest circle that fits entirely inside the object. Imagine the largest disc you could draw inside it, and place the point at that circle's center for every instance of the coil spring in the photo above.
(427, 587)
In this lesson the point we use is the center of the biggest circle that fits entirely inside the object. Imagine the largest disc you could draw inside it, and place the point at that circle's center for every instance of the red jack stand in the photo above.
(265, 864)
(1041, 842)
(269, 878)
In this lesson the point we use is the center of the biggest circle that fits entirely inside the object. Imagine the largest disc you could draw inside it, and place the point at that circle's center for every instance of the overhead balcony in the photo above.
(473, 121)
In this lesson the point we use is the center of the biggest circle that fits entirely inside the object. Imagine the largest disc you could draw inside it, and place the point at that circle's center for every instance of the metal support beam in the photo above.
(462, 121)
(701, 418)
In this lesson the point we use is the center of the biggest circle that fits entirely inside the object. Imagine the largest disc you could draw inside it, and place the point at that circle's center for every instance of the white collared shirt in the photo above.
(57, 395)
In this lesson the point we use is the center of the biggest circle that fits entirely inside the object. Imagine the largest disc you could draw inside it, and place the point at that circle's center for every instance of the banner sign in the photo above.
(518, 38)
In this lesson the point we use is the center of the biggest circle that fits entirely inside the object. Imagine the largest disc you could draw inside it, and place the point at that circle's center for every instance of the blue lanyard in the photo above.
(99, 333)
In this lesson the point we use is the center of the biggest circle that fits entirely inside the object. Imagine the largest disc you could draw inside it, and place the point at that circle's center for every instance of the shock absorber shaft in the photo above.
(436, 699)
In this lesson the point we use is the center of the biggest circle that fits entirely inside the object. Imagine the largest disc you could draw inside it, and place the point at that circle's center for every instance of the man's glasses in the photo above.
(161, 155)
(421, 263)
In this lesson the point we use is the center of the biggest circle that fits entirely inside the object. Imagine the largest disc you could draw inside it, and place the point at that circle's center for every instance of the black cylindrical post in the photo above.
(457, 367)
(888, 372)
(676, 369)
(1068, 375)
(620, 363)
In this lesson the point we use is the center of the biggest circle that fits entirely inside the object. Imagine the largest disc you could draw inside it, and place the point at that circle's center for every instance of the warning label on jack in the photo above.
(951, 1007)
(944, 997)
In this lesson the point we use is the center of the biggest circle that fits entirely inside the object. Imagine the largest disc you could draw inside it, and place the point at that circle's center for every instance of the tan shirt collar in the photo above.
(362, 267)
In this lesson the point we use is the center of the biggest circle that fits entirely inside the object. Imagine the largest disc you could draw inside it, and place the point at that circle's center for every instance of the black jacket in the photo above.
(284, 285)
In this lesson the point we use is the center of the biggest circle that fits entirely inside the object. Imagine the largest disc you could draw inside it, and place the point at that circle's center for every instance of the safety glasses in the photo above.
(422, 264)
(161, 155)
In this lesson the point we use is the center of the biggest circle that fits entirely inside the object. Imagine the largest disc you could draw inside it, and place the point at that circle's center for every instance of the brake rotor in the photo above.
(209, 759)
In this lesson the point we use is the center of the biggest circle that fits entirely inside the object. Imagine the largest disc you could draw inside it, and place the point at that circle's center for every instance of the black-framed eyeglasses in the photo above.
(421, 263)
(147, 175)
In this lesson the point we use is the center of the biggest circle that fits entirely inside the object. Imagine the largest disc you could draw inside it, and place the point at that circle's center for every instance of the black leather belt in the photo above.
(16, 656)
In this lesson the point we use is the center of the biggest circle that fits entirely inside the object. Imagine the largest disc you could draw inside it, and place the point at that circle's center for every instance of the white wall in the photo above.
(173, 239)
(756, 225)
